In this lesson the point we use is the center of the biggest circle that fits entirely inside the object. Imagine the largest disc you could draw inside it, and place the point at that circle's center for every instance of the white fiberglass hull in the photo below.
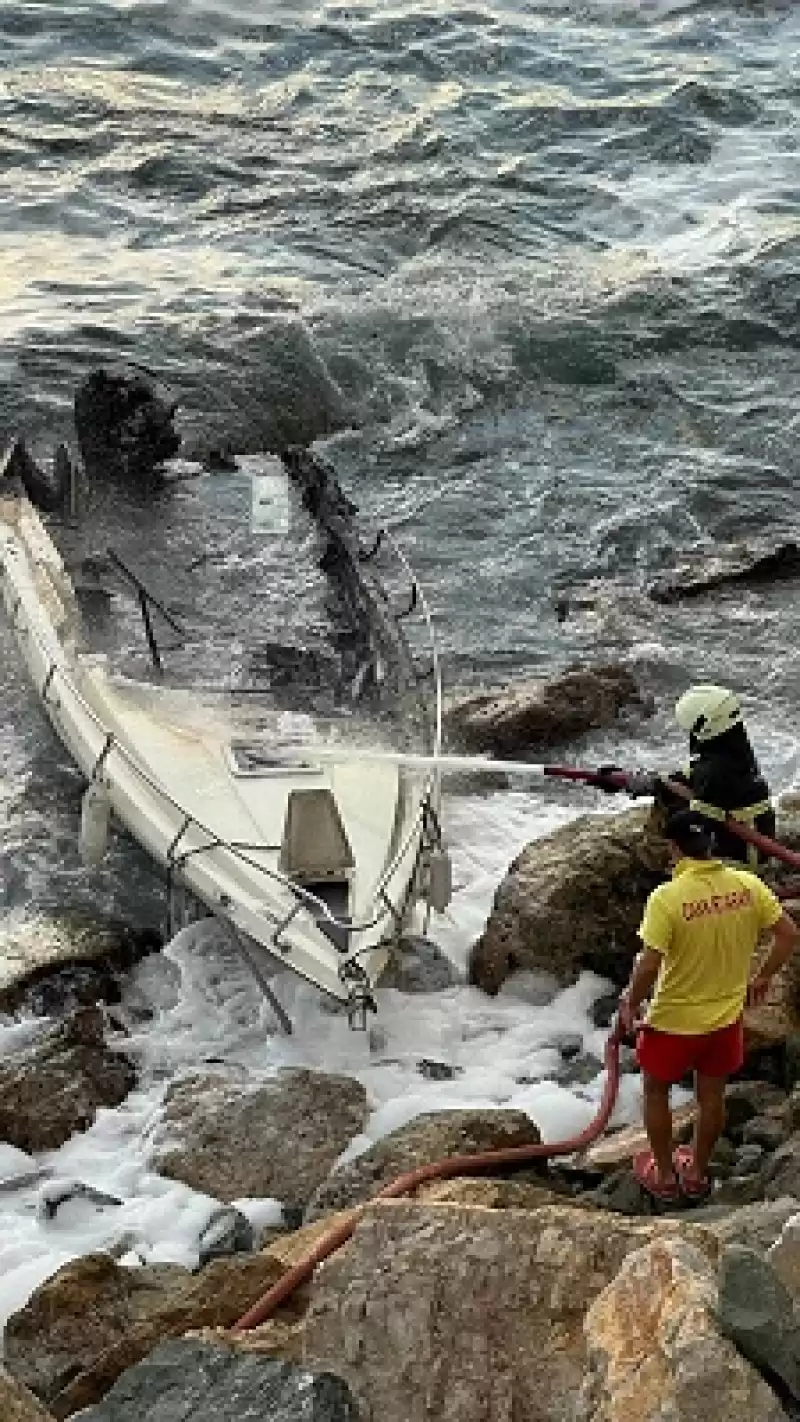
(171, 780)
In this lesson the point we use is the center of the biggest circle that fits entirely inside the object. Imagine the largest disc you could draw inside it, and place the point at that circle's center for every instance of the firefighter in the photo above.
(723, 774)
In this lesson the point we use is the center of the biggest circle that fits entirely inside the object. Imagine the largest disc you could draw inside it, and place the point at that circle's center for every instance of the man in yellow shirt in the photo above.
(699, 932)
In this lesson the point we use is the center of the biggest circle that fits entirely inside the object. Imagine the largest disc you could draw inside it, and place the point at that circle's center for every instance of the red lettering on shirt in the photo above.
(718, 903)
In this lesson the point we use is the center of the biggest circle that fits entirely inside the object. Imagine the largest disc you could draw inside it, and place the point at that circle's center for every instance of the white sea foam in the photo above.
(503, 1052)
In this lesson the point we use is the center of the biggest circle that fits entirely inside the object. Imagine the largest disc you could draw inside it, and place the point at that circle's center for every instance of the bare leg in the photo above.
(658, 1124)
(710, 1093)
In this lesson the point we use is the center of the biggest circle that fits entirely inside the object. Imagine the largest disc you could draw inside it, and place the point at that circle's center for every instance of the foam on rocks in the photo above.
(192, 1011)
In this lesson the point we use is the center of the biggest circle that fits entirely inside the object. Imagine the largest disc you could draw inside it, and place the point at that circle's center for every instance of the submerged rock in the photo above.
(419, 965)
(227, 1232)
(521, 717)
(654, 1348)
(571, 902)
(124, 425)
(438, 1312)
(426, 1138)
(734, 563)
(280, 1139)
(207, 1382)
(53, 1087)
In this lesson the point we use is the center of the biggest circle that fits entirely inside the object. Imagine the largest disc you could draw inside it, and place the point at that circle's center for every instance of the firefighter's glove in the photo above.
(601, 780)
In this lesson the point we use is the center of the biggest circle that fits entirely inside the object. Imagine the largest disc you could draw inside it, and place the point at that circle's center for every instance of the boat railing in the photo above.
(429, 799)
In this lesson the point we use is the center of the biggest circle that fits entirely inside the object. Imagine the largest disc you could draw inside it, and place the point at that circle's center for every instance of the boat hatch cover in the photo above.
(254, 758)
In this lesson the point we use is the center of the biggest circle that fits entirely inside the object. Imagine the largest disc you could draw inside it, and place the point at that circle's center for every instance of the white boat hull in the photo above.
(171, 781)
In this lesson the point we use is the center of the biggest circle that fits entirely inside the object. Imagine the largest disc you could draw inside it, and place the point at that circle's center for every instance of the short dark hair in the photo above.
(692, 836)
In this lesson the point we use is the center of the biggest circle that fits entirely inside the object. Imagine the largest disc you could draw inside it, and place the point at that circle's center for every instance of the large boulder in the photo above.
(83, 1309)
(280, 1139)
(124, 425)
(17, 1404)
(749, 563)
(94, 1319)
(53, 1086)
(655, 1351)
(757, 1311)
(426, 1138)
(572, 901)
(519, 718)
(50, 962)
(453, 1314)
(207, 1382)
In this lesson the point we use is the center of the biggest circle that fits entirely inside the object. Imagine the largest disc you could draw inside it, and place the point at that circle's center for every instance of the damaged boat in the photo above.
(316, 866)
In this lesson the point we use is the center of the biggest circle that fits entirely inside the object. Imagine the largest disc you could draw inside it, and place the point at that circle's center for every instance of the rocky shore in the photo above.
(554, 1293)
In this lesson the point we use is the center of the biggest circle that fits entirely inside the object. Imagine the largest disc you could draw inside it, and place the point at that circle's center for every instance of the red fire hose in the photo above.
(452, 1165)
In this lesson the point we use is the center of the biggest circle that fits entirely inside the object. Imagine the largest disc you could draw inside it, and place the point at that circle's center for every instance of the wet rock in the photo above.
(53, 1087)
(212, 1383)
(418, 965)
(749, 1159)
(604, 1009)
(85, 1307)
(516, 719)
(17, 1404)
(782, 1174)
(572, 901)
(757, 1312)
(46, 487)
(756, 1226)
(739, 1189)
(748, 563)
(654, 1348)
(724, 1156)
(437, 1071)
(278, 1140)
(764, 1131)
(426, 1138)
(124, 425)
(94, 1319)
(579, 1070)
(227, 1232)
(58, 1193)
(473, 1313)
(744, 1102)
(54, 962)
(784, 1255)
(621, 1193)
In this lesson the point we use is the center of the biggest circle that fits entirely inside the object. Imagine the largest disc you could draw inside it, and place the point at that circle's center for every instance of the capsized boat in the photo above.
(315, 866)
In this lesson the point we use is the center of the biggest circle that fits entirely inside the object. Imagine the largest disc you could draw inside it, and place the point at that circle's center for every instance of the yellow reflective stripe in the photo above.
(748, 814)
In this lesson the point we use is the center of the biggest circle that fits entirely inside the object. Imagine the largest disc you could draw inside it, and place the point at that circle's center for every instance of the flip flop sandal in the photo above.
(646, 1174)
(697, 1190)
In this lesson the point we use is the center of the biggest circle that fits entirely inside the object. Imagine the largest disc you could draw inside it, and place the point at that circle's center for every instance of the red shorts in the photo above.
(670, 1056)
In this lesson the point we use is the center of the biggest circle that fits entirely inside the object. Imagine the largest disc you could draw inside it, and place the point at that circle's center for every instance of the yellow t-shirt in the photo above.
(706, 924)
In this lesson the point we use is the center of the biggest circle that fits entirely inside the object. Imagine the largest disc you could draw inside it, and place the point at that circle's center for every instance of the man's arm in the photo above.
(787, 935)
(642, 980)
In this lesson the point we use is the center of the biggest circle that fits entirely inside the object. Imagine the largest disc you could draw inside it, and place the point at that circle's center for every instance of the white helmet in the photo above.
(707, 711)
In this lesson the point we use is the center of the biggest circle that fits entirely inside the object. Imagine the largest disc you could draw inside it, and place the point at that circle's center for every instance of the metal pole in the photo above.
(282, 1015)
(148, 627)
